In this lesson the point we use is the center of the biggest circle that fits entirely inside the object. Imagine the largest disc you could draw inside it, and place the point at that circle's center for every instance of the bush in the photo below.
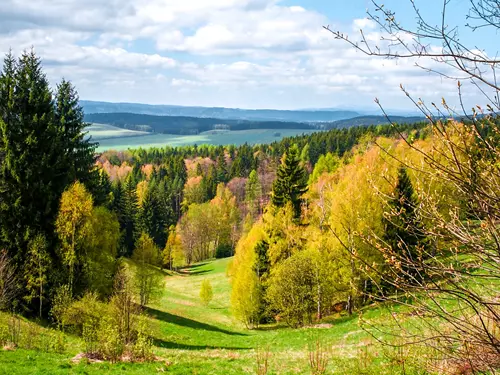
(85, 314)
(224, 251)
(60, 304)
(143, 346)
(110, 344)
(206, 292)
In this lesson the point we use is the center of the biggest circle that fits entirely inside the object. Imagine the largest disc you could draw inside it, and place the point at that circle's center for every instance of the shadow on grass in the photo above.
(194, 269)
(185, 322)
(173, 345)
(192, 273)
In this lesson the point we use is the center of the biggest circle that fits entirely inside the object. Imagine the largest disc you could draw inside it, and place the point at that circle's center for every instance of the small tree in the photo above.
(291, 182)
(72, 225)
(36, 269)
(206, 292)
(123, 305)
(291, 290)
(253, 194)
(148, 280)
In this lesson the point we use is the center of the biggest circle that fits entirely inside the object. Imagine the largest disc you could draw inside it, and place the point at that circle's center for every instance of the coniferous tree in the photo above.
(28, 200)
(290, 182)
(42, 151)
(128, 215)
(403, 228)
(151, 218)
(221, 169)
(77, 164)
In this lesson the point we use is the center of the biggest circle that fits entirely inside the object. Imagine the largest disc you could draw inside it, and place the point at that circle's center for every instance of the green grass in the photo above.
(198, 339)
(111, 137)
(102, 131)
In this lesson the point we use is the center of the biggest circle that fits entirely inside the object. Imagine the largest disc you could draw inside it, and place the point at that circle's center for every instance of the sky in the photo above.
(226, 53)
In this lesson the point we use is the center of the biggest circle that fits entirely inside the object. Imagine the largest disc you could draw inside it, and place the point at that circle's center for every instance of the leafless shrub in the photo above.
(262, 356)
(454, 282)
(319, 357)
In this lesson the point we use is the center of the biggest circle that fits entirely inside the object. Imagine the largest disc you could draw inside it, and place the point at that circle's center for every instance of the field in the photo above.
(111, 137)
(103, 131)
(193, 339)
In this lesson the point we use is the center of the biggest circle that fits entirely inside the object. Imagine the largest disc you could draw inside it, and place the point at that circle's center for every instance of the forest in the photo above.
(314, 232)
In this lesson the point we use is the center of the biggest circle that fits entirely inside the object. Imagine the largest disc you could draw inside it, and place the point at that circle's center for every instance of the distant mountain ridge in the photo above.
(92, 107)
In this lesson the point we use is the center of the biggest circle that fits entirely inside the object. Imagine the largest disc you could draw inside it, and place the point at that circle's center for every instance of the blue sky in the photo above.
(232, 53)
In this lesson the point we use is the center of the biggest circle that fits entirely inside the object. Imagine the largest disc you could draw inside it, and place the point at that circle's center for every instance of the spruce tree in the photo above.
(152, 219)
(290, 182)
(128, 210)
(42, 151)
(403, 228)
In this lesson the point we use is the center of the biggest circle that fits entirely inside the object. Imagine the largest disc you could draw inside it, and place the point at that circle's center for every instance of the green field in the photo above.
(102, 131)
(111, 137)
(193, 339)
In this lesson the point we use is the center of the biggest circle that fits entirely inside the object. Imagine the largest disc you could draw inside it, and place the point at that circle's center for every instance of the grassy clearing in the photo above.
(111, 137)
(197, 339)
(103, 131)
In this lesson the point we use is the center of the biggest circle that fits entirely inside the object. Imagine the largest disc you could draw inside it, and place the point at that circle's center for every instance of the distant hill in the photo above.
(185, 125)
(374, 120)
(91, 107)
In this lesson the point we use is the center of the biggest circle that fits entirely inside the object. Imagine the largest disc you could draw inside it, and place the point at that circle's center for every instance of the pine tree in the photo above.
(290, 183)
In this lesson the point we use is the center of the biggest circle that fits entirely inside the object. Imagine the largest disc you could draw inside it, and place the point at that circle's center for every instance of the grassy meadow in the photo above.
(191, 338)
(111, 137)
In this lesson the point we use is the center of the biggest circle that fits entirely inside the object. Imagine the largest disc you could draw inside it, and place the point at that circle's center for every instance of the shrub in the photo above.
(319, 357)
(206, 292)
(262, 356)
(224, 251)
(60, 304)
(85, 313)
(110, 344)
(143, 346)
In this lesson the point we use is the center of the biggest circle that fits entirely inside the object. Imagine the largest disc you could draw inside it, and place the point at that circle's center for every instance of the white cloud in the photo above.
(245, 53)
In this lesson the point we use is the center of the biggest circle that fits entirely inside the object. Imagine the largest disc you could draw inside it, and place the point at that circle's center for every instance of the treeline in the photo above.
(177, 191)
(184, 125)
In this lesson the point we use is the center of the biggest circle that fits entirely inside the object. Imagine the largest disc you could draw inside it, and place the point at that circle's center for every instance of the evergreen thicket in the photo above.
(43, 149)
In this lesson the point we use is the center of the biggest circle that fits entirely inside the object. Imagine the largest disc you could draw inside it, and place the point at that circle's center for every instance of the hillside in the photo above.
(195, 125)
(191, 338)
(113, 138)
(184, 125)
(376, 120)
(219, 112)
